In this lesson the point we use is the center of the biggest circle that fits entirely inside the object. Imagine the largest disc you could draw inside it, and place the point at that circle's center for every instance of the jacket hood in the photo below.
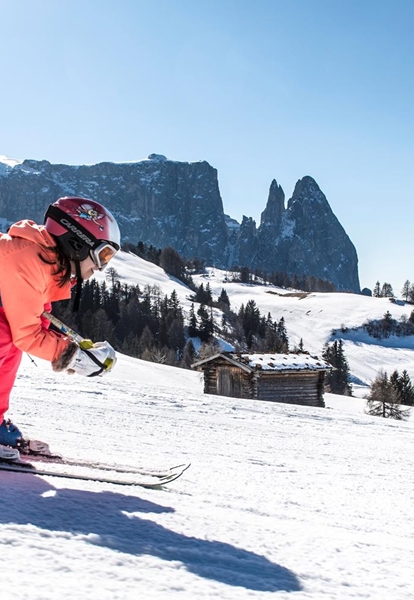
(32, 232)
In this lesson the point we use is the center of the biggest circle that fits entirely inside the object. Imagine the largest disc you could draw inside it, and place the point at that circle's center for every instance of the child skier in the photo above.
(39, 264)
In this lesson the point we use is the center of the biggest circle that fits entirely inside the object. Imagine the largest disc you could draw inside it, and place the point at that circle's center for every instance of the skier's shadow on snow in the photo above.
(112, 520)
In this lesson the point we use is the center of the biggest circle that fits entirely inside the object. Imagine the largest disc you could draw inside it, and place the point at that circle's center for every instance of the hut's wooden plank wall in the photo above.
(291, 387)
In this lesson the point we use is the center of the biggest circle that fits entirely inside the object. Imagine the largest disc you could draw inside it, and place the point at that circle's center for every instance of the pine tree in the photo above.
(209, 295)
(223, 302)
(406, 389)
(192, 329)
(174, 304)
(403, 386)
(283, 345)
(338, 380)
(175, 334)
(387, 324)
(405, 292)
(172, 263)
(132, 321)
(203, 295)
(395, 381)
(245, 276)
(189, 355)
(206, 326)
(387, 291)
(377, 290)
(250, 317)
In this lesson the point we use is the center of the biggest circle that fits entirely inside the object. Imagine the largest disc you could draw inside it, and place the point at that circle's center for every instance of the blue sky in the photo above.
(261, 90)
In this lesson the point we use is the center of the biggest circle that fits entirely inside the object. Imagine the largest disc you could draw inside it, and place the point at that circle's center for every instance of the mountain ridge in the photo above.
(164, 202)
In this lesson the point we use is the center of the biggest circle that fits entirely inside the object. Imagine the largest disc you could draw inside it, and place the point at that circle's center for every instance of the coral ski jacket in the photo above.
(27, 286)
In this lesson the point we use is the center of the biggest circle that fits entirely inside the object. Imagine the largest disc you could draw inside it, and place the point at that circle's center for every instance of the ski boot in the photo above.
(10, 441)
(11, 438)
(10, 435)
(9, 454)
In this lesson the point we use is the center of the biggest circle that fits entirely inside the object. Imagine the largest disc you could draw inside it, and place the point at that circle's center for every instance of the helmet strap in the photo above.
(79, 282)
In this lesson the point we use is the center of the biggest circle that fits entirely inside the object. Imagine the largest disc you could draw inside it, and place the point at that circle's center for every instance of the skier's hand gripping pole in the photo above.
(89, 359)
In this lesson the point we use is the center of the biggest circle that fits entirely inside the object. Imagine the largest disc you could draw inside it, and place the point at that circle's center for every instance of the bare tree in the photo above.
(112, 275)
(383, 400)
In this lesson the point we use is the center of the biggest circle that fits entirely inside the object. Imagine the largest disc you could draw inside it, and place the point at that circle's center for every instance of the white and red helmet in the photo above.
(83, 227)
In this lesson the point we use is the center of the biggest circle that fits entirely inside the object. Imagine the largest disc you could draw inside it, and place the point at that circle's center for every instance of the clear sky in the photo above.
(261, 89)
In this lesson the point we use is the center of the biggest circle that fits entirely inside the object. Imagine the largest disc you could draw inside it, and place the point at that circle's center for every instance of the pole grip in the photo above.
(63, 328)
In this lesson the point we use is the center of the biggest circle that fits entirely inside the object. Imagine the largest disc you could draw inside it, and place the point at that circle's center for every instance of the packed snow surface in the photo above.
(280, 501)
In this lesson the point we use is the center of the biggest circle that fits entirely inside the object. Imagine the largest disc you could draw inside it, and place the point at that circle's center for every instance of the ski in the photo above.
(144, 479)
(93, 464)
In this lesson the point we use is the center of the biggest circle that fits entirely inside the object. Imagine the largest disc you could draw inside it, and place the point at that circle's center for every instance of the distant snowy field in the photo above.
(281, 501)
(311, 317)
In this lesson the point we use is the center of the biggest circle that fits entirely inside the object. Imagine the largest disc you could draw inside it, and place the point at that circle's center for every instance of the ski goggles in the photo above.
(102, 254)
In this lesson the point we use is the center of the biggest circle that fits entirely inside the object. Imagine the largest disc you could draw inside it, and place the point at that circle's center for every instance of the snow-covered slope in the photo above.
(310, 317)
(313, 317)
(280, 502)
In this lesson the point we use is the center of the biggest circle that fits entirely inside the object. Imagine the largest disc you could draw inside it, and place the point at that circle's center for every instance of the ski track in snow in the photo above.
(281, 501)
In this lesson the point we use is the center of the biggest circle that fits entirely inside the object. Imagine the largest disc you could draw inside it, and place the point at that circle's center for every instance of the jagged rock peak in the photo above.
(307, 189)
(272, 215)
(158, 157)
(231, 224)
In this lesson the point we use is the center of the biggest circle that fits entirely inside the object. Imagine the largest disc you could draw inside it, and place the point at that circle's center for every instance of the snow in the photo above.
(6, 164)
(10, 162)
(277, 362)
(281, 501)
(132, 270)
(288, 228)
(310, 317)
(284, 362)
(313, 317)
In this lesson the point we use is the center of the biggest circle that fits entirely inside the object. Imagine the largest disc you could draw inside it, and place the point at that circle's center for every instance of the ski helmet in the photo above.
(82, 228)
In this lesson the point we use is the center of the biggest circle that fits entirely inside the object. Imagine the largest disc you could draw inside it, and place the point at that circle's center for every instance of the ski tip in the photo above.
(183, 467)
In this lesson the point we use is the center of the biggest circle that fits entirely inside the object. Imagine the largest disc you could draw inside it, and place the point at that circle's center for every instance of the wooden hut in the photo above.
(291, 378)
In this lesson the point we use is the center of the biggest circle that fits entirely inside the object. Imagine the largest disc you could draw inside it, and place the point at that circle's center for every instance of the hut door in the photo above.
(229, 382)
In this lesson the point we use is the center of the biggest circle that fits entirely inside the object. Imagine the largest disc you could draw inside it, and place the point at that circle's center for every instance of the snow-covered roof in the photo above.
(271, 362)
(284, 362)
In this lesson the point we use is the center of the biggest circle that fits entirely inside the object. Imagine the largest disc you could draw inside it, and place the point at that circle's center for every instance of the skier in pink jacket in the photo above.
(39, 264)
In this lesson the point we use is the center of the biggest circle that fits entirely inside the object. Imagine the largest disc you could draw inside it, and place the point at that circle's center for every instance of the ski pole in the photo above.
(109, 362)
(63, 328)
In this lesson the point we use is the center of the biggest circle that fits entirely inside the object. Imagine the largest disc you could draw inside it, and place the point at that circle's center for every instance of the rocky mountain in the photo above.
(171, 203)
(306, 237)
